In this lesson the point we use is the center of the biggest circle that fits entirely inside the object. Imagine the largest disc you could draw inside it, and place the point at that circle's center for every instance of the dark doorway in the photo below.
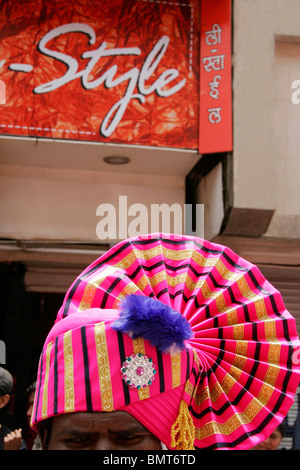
(25, 321)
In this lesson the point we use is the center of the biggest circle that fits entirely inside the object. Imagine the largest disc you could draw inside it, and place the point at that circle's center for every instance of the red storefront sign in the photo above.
(119, 71)
(215, 115)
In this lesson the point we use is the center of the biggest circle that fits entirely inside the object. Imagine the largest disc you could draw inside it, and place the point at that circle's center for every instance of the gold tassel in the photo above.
(183, 430)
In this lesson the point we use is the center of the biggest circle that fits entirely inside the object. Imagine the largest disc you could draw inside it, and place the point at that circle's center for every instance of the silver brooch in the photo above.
(138, 371)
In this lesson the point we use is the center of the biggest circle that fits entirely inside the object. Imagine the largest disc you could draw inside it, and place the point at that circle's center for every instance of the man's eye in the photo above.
(129, 437)
(77, 441)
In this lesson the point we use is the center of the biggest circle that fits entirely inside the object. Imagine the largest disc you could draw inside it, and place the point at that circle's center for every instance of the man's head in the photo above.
(6, 385)
(91, 364)
(117, 430)
(30, 400)
(273, 441)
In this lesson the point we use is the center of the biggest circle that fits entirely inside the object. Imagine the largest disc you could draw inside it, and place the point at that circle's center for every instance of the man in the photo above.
(9, 440)
(30, 436)
(273, 441)
(166, 342)
(117, 430)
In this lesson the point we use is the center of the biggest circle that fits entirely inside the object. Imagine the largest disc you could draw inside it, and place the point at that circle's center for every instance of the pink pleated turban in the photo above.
(181, 333)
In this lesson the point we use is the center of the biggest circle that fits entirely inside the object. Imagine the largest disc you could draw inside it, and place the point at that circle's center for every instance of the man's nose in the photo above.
(267, 443)
(103, 443)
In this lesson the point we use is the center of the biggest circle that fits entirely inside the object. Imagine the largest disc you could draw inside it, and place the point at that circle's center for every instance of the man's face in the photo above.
(271, 443)
(117, 430)
(30, 406)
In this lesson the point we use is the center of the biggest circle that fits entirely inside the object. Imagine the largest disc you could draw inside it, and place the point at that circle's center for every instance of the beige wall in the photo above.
(266, 123)
(286, 129)
(209, 193)
(39, 191)
(51, 190)
(62, 204)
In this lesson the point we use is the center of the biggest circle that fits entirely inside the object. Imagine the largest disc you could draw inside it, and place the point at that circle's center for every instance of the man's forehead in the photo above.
(94, 420)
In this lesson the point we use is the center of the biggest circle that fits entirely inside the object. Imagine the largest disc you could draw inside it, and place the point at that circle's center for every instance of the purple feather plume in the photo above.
(154, 321)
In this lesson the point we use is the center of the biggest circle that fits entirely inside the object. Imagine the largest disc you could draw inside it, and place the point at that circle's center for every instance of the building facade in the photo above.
(62, 202)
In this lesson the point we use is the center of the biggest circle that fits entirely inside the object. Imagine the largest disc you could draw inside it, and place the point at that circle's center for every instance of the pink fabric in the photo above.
(244, 340)
(89, 320)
